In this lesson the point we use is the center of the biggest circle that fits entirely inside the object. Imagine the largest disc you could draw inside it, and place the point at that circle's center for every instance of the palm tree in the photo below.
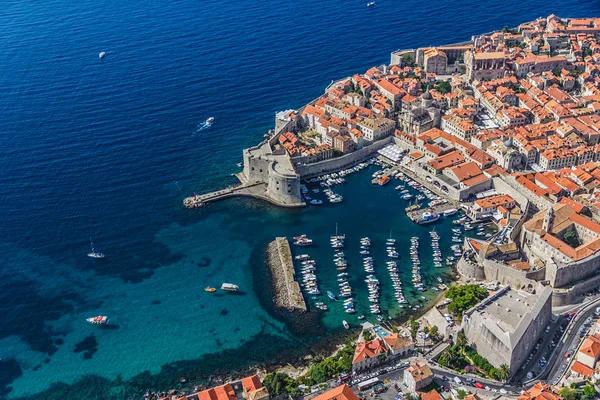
(504, 372)
(433, 333)
(461, 339)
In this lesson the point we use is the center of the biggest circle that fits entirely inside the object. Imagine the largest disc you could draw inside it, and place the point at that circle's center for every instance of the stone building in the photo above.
(369, 354)
(506, 326)
(263, 164)
(417, 376)
(376, 128)
(435, 61)
(420, 119)
(486, 66)
(543, 239)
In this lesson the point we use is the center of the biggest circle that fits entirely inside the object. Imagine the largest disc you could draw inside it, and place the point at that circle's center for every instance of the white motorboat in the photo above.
(98, 320)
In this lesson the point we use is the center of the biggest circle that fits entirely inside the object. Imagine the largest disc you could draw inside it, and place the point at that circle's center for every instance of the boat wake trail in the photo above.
(202, 126)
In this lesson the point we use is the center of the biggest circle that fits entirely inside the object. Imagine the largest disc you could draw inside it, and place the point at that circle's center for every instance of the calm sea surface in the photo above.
(106, 148)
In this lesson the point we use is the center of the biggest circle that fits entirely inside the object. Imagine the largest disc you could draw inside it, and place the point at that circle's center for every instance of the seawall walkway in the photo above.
(287, 293)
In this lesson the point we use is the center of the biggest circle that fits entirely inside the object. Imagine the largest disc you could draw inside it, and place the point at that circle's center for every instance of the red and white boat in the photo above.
(99, 320)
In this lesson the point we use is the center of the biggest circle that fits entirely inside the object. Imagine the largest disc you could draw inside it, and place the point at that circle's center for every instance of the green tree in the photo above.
(587, 52)
(461, 394)
(504, 372)
(276, 383)
(381, 357)
(367, 335)
(414, 327)
(317, 373)
(443, 87)
(570, 238)
(505, 29)
(461, 339)
(569, 394)
(407, 60)
(426, 330)
(589, 392)
(464, 297)
(434, 334)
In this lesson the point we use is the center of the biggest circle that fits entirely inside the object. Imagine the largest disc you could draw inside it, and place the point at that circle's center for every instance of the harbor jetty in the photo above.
(287, 293)
(256, 190)
(414, 215)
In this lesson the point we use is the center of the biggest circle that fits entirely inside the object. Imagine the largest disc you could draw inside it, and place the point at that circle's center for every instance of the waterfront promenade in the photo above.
(287, 293)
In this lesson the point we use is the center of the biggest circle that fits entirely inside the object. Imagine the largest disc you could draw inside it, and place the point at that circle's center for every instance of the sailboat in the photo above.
(93, 253)
(338, 237)
(390, 240)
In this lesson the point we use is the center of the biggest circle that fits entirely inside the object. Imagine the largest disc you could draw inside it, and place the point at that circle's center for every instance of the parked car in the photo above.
(479, 385)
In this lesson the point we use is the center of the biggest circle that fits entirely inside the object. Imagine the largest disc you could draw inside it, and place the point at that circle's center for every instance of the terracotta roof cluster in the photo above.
(370, 349)
(339, 393)
(540, 391)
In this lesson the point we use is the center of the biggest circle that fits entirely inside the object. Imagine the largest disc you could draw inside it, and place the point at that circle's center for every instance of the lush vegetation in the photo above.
(414, 327)
(464, 297)
(588, 392)
(570, 237)
(465, 359)
(443, 87)
(407, 60)
(433, 332)
(321, 371)
(587, 52)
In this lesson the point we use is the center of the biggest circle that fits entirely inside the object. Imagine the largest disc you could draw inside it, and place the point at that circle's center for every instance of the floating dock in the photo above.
(287, 293)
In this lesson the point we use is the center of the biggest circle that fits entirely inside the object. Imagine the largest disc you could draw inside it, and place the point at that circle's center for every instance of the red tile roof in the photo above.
(339, 393)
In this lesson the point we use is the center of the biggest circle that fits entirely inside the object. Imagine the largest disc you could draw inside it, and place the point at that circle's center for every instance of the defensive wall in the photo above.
(307, 171)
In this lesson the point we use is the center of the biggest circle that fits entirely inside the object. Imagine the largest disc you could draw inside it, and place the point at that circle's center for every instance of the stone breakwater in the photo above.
(287, 293)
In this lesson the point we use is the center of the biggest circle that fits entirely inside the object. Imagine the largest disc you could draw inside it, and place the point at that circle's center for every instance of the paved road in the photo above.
(570, 340)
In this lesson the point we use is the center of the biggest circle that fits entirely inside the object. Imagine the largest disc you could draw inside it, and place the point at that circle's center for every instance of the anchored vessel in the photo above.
(99, 320)
(93, 253)
(230, 287)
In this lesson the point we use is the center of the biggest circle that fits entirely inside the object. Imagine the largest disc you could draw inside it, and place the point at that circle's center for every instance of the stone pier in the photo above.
(287, 293)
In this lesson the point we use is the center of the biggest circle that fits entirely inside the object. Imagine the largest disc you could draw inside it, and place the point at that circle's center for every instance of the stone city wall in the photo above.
(335, 164)
(470, 270)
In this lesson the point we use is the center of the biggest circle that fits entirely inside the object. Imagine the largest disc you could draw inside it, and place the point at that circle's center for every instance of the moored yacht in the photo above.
(99, 320)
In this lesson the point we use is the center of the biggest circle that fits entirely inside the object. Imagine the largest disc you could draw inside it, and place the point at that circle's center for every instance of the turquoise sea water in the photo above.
(107, 148)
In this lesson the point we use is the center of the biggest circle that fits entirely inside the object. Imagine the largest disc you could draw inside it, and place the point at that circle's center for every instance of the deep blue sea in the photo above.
(106, 148)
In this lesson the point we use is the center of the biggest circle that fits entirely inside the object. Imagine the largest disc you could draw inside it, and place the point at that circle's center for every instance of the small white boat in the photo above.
(210, 121)
(346, 325)
(98, 320)
(93, 253)
(450, 212)
(102, 54)
(371, 4)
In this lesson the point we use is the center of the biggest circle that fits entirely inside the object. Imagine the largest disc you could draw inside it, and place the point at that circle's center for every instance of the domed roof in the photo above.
(508, 142)
(427, 95)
